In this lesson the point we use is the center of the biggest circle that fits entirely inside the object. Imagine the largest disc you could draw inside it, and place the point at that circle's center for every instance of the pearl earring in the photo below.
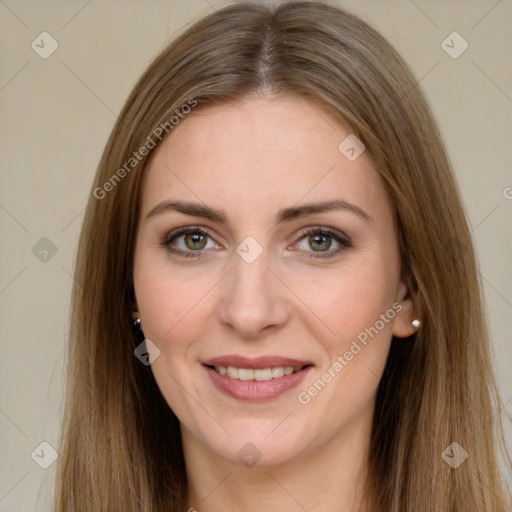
(416, 323)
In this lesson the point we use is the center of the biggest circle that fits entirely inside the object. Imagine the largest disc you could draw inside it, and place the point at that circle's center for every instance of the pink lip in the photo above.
(253, 390)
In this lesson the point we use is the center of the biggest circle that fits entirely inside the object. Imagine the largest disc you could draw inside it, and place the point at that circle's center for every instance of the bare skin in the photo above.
(306, 296)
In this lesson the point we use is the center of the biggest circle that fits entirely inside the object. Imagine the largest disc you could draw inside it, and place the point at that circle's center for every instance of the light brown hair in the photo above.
(121, 445)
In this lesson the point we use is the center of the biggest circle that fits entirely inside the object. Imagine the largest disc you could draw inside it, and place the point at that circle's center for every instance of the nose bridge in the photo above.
(250, 278)
(250, 273)
(251, 301)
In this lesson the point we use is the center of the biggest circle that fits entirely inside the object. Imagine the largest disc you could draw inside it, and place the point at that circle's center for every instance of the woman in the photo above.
(275, 215)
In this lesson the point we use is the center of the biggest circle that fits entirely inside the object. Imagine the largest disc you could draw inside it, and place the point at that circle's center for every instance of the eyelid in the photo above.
(325, 230)
(184, 230)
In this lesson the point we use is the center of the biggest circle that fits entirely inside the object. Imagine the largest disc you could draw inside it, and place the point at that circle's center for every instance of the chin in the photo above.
(260, 446)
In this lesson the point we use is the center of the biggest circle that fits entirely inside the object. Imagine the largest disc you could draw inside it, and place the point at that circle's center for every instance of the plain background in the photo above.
(58, 112)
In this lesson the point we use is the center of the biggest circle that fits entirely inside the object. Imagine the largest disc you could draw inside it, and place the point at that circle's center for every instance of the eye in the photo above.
(324, 242)
(189, 240)
(319, 242)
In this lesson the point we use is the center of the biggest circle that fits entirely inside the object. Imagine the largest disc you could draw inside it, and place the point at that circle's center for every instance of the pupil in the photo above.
(321, 242)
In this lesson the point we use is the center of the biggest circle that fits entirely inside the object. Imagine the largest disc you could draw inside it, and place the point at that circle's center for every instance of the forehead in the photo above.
(260, 153)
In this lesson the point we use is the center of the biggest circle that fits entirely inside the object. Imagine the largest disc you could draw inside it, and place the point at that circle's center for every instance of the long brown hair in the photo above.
(121, 446)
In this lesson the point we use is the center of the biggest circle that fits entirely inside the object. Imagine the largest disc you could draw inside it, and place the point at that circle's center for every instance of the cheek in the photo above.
(354, 309)
(168, 298)
(170, 303)
(348, 301)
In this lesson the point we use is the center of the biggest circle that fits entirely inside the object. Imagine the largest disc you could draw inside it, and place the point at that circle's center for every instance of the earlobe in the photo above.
(407, 319)
(134, 306)
(135, 311)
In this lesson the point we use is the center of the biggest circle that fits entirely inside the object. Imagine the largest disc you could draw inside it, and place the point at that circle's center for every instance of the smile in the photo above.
(259, 374)
(256, 379)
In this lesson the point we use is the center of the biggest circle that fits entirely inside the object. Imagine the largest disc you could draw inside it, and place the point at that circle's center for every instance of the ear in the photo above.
(406, 296)
(135, 310)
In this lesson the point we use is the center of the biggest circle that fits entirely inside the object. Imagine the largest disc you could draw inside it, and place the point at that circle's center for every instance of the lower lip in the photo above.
(254, 390)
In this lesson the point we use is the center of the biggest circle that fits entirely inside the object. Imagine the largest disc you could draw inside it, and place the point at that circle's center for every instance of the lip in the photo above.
(253, 390)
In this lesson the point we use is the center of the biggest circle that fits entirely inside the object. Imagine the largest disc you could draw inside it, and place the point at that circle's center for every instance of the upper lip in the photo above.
(267, 361)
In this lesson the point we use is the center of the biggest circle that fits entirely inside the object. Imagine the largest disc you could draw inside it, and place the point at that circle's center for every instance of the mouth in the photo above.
(256, 379)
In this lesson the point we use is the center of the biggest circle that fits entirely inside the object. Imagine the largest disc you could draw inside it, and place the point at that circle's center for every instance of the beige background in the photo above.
(56, 116)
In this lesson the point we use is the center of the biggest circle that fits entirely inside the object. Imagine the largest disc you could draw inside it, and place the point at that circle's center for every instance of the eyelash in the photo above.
(343, 240)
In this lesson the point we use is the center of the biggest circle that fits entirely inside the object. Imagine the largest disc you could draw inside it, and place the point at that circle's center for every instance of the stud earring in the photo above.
(416, 323)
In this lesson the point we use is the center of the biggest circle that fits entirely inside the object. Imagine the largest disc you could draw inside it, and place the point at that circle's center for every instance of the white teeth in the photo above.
(232, 372)
(277, 372)
(260, 374)
(263, 374)
(245, 374)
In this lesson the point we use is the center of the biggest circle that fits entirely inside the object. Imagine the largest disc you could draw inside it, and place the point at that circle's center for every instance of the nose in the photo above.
(254, 301)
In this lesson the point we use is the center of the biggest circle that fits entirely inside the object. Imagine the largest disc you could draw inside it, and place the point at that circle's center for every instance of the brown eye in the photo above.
(195, 241)
(320, 242)
(189, 242)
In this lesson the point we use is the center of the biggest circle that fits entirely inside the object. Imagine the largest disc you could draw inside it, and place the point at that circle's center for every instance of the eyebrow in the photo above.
(285, 215)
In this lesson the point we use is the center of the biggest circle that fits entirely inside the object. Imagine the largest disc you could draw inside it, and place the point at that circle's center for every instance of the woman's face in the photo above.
(267, 245)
